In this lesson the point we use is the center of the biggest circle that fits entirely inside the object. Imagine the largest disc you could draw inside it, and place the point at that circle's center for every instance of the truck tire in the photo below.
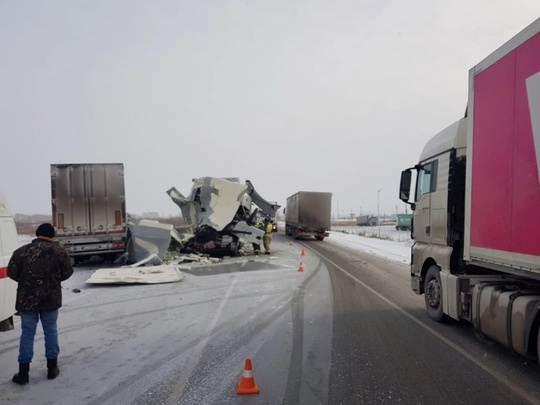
(319, 237)
(433, 294)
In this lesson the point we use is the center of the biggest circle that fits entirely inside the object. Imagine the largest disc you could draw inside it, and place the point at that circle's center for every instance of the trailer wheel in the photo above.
(433, 294)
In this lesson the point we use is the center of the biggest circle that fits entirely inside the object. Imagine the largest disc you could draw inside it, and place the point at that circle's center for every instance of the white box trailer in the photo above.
(9, 242)
(89, 209)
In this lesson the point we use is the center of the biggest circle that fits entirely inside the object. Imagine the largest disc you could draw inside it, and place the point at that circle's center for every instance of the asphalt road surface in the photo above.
(385, 349)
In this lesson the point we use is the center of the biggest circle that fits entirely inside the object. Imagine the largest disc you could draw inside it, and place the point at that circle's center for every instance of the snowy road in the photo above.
(313, 337)
(182, 342)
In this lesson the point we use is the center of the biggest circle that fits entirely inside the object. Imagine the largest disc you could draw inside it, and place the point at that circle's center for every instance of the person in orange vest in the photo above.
(267, 238)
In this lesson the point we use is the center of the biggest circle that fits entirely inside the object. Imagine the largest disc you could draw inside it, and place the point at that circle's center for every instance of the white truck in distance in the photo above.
(9, 242)
(476, 220)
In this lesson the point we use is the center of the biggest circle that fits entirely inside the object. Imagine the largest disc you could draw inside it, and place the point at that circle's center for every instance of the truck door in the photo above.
(425, 185)
(106, 191)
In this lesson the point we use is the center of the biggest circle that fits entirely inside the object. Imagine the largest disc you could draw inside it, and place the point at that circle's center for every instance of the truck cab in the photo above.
(9, 241)
(438, 208)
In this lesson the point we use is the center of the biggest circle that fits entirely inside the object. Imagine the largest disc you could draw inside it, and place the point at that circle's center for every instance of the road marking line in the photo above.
(502, 379)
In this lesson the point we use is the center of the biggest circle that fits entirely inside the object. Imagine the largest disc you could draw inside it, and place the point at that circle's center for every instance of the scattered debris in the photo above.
(220, 217)
(151, 237)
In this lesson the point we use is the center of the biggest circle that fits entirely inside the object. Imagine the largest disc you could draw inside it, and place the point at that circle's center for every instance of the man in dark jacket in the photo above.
(38, 268)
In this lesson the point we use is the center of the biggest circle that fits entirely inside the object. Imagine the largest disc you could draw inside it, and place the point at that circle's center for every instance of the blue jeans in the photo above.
(29, 321)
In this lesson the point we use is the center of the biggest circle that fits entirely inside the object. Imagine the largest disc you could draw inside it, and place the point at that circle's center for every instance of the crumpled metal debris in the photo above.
(219, 215)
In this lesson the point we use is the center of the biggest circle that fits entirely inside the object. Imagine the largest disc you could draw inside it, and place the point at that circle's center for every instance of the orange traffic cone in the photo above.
(247, 385)
(303, 253)
(301, 267)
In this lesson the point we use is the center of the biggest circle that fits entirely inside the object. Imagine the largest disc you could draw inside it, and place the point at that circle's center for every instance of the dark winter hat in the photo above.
(46, 230)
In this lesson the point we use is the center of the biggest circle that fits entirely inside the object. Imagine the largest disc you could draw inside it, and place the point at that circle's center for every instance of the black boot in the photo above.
(22, 376)
(52, 369)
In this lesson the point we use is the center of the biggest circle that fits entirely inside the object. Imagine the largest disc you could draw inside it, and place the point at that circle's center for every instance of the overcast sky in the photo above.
(293, 95)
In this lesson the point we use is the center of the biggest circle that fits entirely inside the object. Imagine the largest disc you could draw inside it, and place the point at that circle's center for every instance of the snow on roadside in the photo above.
(398, 249)
(24, 239)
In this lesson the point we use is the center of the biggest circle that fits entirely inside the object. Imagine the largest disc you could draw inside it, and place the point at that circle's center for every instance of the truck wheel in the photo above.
(433, 294)
(319, 237)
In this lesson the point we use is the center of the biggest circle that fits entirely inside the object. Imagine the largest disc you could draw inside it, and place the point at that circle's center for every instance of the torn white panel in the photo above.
(182, 234)
(248, 234)
(139, 275)
(190, 209)
(148, 238)
(219, 200)
(269, 208)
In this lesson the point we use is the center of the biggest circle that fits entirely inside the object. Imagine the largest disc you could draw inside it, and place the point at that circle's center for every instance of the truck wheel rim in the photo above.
(433, 293)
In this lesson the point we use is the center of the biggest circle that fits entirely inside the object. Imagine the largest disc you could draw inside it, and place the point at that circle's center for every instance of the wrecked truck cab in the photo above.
(218, 214)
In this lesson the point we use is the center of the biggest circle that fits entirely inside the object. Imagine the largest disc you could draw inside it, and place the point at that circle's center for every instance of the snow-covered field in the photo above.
(386, 232)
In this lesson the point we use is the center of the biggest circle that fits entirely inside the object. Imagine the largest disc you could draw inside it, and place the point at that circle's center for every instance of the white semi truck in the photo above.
(9, 242)
(476, 223)
(89, 209)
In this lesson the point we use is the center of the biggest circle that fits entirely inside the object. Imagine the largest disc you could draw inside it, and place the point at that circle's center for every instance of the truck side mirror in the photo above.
(405, 185)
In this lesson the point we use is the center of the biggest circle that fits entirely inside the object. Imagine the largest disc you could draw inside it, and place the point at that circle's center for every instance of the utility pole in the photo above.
(378, 212)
